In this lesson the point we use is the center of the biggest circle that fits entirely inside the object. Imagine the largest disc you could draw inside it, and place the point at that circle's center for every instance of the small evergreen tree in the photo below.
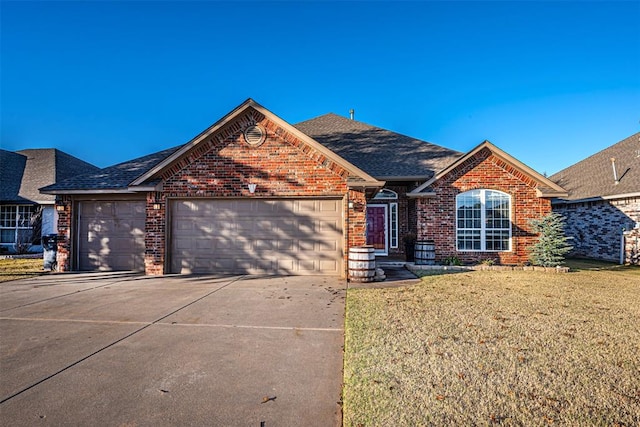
(552, 244)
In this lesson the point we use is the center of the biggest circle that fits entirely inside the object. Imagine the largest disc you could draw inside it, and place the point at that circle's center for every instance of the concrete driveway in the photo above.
(128, 350)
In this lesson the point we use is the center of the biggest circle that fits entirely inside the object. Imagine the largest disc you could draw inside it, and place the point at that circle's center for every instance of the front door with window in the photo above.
(377, 228)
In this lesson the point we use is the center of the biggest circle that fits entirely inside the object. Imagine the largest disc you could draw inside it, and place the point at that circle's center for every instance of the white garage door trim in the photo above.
(110, 235)
(256, 236)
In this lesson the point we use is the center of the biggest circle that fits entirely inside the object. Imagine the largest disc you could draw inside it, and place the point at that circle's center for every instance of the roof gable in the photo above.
(382, 153)
(357, 176)
(545, 187)
(594, 177)
(26, 171)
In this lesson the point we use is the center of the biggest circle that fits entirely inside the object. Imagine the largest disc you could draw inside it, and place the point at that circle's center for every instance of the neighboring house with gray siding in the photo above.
(603, 204)
(22, 207)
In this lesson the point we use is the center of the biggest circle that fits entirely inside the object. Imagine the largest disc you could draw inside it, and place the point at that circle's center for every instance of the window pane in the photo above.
(7, 216)
(24, 216)
(468, 240)
(7, 236)
(24, 236)
(497, 211)
(497, 240)
(393, 209)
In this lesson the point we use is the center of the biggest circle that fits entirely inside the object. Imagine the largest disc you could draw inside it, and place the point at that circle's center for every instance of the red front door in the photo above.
(377, 228)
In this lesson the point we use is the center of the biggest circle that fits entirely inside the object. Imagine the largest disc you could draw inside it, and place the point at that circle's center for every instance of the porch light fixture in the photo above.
(60, 208)
(356, 206)
(252, 188)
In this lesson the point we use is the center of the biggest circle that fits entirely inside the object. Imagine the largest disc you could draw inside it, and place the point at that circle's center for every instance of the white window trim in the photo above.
(393, 225)
(483, 229)
(17, 227)
(386, 194)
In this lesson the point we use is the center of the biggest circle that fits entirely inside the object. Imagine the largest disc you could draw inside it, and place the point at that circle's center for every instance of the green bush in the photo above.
(552, 246)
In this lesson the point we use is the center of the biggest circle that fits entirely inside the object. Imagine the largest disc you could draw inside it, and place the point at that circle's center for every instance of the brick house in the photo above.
(254, 194)
(602, 207)
(479, 207)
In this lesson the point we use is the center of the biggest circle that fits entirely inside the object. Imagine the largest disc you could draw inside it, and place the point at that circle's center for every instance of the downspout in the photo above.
(622, 247)
(346, 249)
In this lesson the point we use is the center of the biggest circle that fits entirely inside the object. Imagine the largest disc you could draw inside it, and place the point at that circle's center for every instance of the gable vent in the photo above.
(254, 135)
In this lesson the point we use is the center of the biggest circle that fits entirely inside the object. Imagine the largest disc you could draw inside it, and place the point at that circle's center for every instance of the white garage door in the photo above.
(111, 235)
(257, 236)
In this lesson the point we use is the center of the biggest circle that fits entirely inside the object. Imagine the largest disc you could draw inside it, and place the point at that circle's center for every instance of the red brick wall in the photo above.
(437, 215)
(154, 237)
(356, 220)
(64, 233)
(223, 165)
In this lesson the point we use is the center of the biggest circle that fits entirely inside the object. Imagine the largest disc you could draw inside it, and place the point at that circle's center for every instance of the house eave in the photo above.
(144, 188)
(550, 194)
(91, 191)
(403, 178)
(421, 195)
(560, 201)
(355, 185)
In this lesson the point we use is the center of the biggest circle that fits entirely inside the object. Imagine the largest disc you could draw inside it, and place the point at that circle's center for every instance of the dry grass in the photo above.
(13, 269)
(483, 348)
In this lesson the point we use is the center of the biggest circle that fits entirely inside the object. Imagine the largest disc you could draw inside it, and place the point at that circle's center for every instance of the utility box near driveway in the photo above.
(50, 250)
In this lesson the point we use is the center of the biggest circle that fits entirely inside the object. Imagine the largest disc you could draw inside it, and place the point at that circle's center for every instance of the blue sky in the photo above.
(549, 82)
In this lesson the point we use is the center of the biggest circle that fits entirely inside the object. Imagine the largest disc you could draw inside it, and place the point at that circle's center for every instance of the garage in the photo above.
(111, 235)
(253, 236)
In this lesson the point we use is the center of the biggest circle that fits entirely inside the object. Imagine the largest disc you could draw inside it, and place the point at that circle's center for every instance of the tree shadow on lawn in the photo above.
(584, 264)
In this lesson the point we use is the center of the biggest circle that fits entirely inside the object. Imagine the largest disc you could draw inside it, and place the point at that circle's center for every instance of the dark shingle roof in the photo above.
(11, 170)
(593, 177)
(115, 177)
(24, 172)
(379, 152)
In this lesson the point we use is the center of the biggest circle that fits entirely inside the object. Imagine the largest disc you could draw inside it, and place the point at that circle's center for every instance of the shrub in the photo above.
(551, 247)
(452, 260)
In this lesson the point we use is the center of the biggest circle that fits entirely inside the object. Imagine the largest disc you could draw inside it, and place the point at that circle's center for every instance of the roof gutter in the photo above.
(404, 178)
(421, 195)
(364, 184)
(594, 199)
(550, 194)
(101, 191)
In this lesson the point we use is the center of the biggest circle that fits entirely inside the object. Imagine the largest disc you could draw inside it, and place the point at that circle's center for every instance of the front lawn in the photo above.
(13, 269)
(496, 347)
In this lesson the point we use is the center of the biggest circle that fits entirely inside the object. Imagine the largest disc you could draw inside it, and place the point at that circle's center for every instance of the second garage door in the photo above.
(257, 236)
(111, 235)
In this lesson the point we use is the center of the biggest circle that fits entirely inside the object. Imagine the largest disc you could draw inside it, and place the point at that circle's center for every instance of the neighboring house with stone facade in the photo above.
(603, 204)
(23, 209)
(255, 194)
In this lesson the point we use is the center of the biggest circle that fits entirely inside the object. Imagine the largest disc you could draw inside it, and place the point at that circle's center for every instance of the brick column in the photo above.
(64, 209)
(632, 247)
(154, 240)
(357, 219)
